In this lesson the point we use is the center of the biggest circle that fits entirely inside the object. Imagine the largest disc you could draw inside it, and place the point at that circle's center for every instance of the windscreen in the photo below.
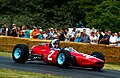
(70, 49)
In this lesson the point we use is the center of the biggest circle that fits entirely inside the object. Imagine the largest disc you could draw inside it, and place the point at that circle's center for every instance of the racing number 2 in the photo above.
(51, 53)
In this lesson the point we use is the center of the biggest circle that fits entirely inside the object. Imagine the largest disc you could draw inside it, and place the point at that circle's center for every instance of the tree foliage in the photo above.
(105, 16)
(59, 13)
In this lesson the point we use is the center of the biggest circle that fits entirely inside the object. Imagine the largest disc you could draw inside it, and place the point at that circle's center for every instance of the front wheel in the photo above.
(98, 55)
(63, 59)
(20, 53)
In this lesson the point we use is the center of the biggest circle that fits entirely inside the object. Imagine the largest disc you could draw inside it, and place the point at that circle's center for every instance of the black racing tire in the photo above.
(20, 53)
(63, 55)
(100, 56)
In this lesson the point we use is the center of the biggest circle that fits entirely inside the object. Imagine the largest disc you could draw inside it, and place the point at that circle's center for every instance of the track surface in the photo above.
(73, 72)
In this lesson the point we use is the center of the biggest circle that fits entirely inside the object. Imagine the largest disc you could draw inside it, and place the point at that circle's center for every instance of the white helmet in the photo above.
(53, 42)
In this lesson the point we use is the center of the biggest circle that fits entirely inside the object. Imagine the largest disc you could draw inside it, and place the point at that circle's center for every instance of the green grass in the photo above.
(7, 73)
(5, 54)
(112, 67)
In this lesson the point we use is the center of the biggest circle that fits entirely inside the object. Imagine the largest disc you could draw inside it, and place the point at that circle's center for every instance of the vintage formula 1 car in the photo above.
(62, 58)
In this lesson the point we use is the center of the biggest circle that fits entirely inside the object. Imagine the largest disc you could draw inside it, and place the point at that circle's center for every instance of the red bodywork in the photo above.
(80, 59)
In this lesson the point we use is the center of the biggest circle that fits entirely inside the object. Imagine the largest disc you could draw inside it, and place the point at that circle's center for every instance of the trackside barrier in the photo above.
(111, 53)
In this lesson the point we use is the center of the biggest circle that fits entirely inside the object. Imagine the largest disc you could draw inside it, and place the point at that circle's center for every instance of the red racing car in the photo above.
(62, 57)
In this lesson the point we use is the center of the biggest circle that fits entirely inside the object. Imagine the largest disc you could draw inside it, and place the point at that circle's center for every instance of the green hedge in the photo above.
(111, 53)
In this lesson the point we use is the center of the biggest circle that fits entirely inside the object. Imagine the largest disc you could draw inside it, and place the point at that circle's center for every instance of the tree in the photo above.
(52, 13)
(105, 16)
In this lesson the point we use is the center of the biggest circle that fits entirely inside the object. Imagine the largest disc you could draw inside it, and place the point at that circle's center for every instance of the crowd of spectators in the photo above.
(95, 37)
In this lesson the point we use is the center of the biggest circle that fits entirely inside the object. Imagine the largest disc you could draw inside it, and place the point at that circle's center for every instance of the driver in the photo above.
(55, 44)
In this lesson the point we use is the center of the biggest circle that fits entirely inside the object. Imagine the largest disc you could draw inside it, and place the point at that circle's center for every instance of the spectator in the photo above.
(118, 39)
(40, 29)
(109, 33)
(73, 33)
(56, 34)
(105, 39)
(10, 30)
(23, 29)
(27, 32)
(31, 32)
(35, 33)
(113, 39)
(116, 34)
(4, 29)
(14, 30)
(93, 38)
(97, 34)
(45, 35)
(67, 35)
(19, 32)
(40, 35)
(100, 37)
(84, 37)
(61, 35)
(77, 36)
(84, 31)
(51, 34)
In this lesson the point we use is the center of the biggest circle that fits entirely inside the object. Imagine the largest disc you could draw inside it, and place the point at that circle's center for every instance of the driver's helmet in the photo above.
(53, 42)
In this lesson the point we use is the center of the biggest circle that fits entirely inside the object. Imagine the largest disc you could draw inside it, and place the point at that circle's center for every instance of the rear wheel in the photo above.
(63, 59)
(20, 53)
(100, 56)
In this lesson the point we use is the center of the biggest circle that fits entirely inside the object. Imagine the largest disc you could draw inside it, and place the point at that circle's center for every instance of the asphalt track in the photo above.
(72, 72)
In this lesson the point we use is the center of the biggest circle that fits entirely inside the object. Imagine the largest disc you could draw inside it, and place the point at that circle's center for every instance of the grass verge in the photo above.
(112, 67)
(7, 73)
(6, 54)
